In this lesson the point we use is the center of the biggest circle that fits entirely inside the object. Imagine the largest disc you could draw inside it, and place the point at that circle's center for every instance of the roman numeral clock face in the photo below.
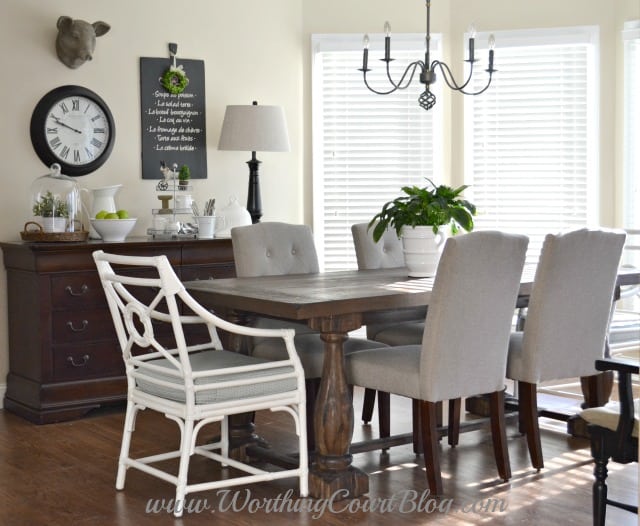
(72, 126)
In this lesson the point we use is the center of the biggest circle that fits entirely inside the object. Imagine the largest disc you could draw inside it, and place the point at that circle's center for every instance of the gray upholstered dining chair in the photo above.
(191, 380)
(386, 253)
(567, 318)
(275, 248)
(477, 270)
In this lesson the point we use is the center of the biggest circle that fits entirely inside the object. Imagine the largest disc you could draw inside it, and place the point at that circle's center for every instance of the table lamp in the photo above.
(254, 128)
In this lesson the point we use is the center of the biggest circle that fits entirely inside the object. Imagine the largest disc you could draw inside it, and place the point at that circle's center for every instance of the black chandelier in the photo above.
(427, 68)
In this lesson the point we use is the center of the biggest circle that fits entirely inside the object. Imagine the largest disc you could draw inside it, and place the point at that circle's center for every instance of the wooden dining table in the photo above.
(334, 303)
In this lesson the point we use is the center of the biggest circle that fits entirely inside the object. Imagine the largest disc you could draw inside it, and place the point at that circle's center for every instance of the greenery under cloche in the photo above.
(432, 205)
(49, 205)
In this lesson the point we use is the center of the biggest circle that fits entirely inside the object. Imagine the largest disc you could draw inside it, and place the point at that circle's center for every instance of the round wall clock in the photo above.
(72, 126)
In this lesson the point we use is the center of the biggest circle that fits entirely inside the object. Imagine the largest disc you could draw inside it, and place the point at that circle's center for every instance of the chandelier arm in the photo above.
(449, 78)
(412, 67)
(479, 91)
(375, 90)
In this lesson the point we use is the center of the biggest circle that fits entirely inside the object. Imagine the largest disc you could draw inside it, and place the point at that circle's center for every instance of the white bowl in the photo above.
(113, 229)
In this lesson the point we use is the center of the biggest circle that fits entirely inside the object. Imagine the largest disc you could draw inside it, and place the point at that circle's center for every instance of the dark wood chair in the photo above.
(614, 435)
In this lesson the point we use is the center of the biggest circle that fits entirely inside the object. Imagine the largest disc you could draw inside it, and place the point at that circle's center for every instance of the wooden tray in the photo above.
(39, 235)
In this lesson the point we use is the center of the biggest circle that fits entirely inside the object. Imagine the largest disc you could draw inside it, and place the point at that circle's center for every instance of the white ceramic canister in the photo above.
(231, 216)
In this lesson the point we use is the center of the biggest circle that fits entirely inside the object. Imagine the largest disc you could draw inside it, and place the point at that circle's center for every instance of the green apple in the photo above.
(123, 214)
(102, 214)
(111, 215)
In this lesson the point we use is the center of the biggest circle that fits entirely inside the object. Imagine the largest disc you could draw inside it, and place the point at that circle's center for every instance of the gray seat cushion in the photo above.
(372, 369)
(214, 360)
(310, 350)
(405, 333)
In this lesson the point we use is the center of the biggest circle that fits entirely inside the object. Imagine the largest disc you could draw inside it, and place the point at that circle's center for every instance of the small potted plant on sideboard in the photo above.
(51, 212)
(183, 177)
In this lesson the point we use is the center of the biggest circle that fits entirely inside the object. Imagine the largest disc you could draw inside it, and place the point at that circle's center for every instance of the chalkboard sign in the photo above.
(173, 125)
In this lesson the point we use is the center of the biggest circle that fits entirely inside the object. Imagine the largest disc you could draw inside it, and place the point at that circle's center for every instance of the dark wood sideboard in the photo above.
(64, 358)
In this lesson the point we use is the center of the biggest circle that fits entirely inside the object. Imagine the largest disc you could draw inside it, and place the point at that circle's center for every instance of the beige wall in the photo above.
(253, 49)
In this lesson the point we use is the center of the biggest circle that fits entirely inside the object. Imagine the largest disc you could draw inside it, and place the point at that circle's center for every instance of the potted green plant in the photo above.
(183, 176)
(52, 211)
(422, 218)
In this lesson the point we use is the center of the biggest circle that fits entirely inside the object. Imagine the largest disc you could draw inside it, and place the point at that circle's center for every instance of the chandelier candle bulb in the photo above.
(365, 52)
(472, 36)
(492, 44)
(387, 42)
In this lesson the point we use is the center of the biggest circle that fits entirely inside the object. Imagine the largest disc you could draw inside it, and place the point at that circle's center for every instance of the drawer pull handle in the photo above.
(85, 360)
(85, 324)
(83, 290)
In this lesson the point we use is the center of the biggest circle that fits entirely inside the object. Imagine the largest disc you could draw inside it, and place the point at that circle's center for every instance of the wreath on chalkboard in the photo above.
(174, 80)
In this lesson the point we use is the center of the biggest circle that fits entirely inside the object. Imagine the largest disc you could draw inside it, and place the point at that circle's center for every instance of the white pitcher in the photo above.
(102, 199)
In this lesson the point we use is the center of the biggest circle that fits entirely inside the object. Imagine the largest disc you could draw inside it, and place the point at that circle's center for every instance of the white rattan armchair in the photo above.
(193, 383)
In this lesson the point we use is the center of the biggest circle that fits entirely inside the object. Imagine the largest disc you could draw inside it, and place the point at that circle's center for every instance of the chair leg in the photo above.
(417, 436)
(596, 389)
(384, 414)
(522, 425)
(129, 427)
(303, 479)
(367, 405)
(600, 492)
(312, 385)
(428, 428)
(417, 440)
(499, 435)
(183, 470)
(224, 439)
(528, 408)
(453, 433)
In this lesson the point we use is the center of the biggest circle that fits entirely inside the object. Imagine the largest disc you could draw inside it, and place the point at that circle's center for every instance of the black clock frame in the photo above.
(38, 135)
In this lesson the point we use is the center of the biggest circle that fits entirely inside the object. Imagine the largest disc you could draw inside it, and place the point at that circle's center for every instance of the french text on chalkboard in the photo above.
(173, 125)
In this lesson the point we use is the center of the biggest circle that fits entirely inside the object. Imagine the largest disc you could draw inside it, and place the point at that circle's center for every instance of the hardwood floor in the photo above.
(64, 474)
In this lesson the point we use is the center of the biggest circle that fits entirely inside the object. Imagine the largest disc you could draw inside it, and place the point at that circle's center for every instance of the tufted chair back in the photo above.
(386, 253)
(274, 249)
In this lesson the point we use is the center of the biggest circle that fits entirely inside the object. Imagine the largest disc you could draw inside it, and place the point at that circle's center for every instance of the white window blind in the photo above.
(365, 146)
(530, 140)
(631, 38)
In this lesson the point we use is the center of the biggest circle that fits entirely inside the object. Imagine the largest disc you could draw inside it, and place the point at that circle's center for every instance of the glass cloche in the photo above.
(55, 202)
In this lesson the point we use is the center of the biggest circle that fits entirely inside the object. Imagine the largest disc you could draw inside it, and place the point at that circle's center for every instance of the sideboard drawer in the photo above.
(218, 271)
(77, 362)
(64, 356)
(77, 291)
(75, 326)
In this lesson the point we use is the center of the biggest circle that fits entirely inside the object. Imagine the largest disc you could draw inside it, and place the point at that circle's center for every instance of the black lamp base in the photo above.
(254, 202)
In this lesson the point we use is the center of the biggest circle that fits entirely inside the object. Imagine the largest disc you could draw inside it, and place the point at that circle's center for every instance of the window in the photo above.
(531, 153)
(365, 146)
(631, 38)
(631, 184)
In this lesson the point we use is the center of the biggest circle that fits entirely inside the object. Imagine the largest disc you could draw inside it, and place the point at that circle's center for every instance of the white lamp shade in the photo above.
(254, 128)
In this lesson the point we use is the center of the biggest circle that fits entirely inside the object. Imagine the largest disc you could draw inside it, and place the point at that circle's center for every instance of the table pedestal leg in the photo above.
(332, 473)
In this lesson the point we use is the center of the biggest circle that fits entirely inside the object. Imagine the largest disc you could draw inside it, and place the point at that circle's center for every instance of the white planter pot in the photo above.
(422, 249)
(53, 224)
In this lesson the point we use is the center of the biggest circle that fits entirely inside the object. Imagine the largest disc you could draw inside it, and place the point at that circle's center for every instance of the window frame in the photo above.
(588, 35)
(413, 42)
